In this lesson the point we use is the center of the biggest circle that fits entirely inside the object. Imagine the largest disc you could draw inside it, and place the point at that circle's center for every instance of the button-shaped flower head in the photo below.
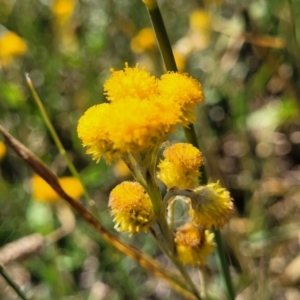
(193, 244)
(130, 83)
(131, 207)
(211, 206)
(184, 91)
(181, 166)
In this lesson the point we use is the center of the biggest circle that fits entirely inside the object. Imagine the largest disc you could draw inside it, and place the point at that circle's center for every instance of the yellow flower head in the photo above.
(11, 45)
(181, 166)
(131, 207)
(141, 112)
(183, 90)
(93, 133)
(212, 207)
(126, 126)
(139, 125)
(193, 245)
(144, 40)
(130, 82)
(63, 8)
(2, 150)
(43, 192)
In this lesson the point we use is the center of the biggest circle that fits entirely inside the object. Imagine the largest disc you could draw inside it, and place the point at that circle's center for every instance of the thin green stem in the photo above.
(147, 179)
(54, 135)
(297, 48)
(177, 263)
(155, 195)
(162, 38)
(191, 137)
(168, 58)
(222, 261)
(12, 284)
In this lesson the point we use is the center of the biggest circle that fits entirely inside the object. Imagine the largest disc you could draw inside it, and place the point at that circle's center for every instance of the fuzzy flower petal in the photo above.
(130, 82)
(131, 207)
(139, 125)
(213, 206)
(184, 90)
(193, 245)
(181, 166)
(93, 132)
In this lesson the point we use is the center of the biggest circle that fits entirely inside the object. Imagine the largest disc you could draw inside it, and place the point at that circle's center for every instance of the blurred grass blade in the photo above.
(12, 284)
(54, 135)
(142, 259)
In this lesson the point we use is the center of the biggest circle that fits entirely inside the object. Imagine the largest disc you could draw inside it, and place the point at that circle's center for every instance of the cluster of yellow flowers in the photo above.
(141, 112)
(209, 205)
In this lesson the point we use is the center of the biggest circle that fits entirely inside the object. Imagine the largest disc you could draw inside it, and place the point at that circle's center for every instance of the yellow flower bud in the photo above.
(181, 166)
(131, 207)
(212, 206)
(193, 244)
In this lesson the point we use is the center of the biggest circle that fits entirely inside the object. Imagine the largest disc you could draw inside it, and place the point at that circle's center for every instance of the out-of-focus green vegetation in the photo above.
(246, 55)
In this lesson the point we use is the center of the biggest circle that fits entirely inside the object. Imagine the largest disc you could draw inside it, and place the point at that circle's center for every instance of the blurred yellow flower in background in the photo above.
(2, 150)
(11, 45)
(121, 170)
(63, 9)
(201, 26)
(43, 192)
(64, 26)
(200, 20)
(144, 40)
(180, 60)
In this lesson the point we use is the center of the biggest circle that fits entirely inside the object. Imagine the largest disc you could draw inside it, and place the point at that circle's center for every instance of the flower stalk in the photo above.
(169, 61)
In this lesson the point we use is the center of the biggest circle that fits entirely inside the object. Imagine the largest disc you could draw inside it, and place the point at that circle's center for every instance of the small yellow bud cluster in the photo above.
(193, 244)
(209, 205)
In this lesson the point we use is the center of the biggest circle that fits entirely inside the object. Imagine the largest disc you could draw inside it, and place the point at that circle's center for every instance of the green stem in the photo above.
(177, 263)
(168, 58)
(222, 261)
(156, 198)
(162, 38)
(54, 135)
(191, 137)
(147, 179)
(12, 284)
(293, 23)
